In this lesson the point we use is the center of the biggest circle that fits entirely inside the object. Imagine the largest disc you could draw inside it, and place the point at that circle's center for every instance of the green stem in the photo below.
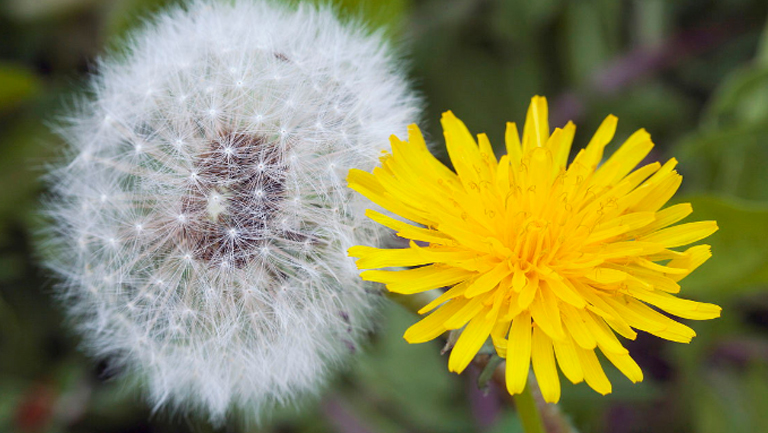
(528, 411)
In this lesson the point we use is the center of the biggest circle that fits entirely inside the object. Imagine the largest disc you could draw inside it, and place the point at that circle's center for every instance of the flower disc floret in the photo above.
(549, 259)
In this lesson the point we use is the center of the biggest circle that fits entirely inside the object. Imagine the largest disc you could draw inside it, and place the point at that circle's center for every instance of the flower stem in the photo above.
(528, 411)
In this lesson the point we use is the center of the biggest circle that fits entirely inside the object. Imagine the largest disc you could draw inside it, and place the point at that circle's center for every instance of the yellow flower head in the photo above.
(548, 259)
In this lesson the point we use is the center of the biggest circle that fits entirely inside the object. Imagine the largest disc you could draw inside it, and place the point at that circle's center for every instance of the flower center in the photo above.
(531, 245)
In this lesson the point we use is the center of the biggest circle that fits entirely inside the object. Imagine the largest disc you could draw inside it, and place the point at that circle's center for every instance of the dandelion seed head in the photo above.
(200, 239)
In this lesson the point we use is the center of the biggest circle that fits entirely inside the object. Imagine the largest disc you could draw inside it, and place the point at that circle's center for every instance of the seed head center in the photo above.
(225, 221)
(217, 204)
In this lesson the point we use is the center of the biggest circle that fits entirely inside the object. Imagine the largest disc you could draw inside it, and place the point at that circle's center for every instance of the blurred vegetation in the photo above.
(692, 72)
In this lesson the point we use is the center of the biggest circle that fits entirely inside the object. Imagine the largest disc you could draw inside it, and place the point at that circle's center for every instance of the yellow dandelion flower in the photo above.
(549, 259)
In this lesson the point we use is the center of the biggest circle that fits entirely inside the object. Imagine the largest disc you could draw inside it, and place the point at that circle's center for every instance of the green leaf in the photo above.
(728, 161)
(653, 20)
(762, 51)
(741, 98)
(743, 95)
(739, 260)
(588, 38)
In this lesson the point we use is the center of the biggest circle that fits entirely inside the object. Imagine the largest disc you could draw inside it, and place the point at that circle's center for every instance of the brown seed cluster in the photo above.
(232, 197)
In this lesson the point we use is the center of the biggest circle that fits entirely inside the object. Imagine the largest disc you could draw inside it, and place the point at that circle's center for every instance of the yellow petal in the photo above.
(682, 234)
(433, 325)
(410, 198)
(568, 360)
(577, 328)
(594, 150)
(658, 193)
(692, 259)
(679, 307)
(619, 226)
(663, 270)
(409, 231)
(453, 292)
(642, 317)
(603, 335)
(486, 153)
(560, 144)
(617, 250)
(514, 148)
(519, 353)
(665, 217)
(467, 313)
(469, 342)
(529, 292)
(544, 367)
(563, 289)
(625, 364)
(462, 149)
(536, 129)
(643, 277)
(416, 155)
(593, 372)
(499, 336)
(541, 172)
(637, 146)
(519, 280)
(546, 314)
(367, 185)
(417, 280)
(488, 281)
(662, 180)
(599, 306)
(605, 275)
(371, 258)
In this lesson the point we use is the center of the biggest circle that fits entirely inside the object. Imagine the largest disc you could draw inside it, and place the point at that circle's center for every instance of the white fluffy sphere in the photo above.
(201, 217)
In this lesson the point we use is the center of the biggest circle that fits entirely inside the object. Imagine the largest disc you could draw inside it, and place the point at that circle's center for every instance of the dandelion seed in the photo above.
(237, 212)
(548, 259)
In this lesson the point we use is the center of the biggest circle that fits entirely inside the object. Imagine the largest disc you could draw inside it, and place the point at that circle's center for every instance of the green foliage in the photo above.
(726, 161)
(17, 85)
(389, 15)
(733, 400)
(740, 256)
(24, 10)
(727, 155)
(20, 167)
(589, 37)
(395, 375)
(124, 15)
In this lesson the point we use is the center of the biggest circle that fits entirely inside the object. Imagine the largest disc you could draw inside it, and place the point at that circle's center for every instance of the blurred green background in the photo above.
(692, 72)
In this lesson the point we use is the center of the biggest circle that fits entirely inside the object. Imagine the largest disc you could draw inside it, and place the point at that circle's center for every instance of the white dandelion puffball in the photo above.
(201, 217)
